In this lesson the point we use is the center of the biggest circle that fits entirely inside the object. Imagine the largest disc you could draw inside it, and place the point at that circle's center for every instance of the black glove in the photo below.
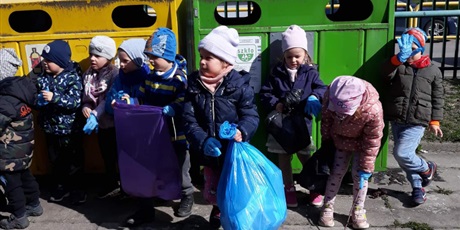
(292, 98)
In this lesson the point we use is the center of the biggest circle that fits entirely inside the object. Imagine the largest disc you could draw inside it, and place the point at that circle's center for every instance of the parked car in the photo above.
(425, 23)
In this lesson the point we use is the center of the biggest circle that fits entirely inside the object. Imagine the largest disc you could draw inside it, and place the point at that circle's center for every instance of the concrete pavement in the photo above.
(389, 207)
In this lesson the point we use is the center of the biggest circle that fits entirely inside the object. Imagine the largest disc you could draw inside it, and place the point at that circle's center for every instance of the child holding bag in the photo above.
(352, 118)
(218, 93)
(293, 87)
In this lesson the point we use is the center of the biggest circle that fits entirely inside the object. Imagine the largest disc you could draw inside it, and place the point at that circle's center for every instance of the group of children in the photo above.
(350, 108)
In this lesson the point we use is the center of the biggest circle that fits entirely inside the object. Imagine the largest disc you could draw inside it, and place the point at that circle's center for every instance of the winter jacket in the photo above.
(17, 96)
(413, 96)
(168, 89)
(96, 85)
(129, 83)
(204, 112)
(361, 132)
(278, 84)
(58, 117)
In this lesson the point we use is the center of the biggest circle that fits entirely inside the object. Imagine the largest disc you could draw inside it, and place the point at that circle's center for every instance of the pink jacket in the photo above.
(361, 132)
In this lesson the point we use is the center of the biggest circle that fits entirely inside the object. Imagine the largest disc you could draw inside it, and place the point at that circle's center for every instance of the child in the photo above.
(97, 81)
(165, 87)
(352, 118)
(59, 101)
(295, 73)
(415, 100)
(133, 72)
(218, 93)
(17, 96)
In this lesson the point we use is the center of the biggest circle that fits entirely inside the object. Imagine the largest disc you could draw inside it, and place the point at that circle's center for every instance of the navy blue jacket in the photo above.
(204, 112)
(278, 84)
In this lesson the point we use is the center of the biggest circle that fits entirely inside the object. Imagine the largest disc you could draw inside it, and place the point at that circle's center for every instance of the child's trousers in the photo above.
(21, 189)
(341, 162)
(67, 159)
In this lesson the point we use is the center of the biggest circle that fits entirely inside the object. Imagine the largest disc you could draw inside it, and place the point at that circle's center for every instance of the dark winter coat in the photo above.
(17, 96)
(204, 112)
(278, 84)
(414, 96)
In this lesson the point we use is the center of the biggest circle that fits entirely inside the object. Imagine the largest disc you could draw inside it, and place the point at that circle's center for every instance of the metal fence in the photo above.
(440, 20)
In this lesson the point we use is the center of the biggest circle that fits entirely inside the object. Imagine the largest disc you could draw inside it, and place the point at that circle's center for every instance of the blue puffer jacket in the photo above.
(278, 84)
(204, 112)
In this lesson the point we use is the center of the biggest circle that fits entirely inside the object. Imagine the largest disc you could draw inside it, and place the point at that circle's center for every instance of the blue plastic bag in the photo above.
(250, 193)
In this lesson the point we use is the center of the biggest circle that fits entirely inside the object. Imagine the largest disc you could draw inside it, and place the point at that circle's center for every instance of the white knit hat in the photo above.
(103, 46)
(222, 42)
(9, 63)
(294, 37)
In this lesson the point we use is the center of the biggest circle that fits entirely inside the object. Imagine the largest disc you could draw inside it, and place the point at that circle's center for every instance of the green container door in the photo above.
(348, 42)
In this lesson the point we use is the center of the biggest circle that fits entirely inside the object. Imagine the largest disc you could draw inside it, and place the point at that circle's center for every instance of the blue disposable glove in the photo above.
(313, 106)
(168, 110)
(362, 177)
(211, 147)
(405, 47)
(41, 101)
(227, 130)
(91, 124)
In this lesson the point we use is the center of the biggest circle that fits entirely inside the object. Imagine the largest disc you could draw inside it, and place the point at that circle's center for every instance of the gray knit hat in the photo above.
(9, 63)
(103, 46)
(134, 47)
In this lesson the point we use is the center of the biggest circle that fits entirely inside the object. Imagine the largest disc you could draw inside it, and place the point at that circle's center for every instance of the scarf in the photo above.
(423, 62)
(292, 74)
(168, 74)
(211, 83)
(96, 83)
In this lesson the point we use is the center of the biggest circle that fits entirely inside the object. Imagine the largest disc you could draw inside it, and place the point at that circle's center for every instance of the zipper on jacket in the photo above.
(410, 96)
(212, 104)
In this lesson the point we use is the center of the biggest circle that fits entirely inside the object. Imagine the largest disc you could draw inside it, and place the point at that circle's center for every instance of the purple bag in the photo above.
(146, 158)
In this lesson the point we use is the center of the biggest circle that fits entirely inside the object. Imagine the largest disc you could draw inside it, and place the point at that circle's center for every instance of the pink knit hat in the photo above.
(346, 94)
(294, 37)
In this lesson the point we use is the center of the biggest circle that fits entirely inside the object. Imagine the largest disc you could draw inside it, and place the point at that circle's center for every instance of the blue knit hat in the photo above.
(58, 51)
(162, 44)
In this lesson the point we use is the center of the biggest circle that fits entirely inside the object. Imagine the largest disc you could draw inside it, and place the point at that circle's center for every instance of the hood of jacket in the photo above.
(21, 88)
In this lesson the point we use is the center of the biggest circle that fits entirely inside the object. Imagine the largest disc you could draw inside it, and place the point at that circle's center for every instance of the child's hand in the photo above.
(86, 112)
(279, 107)
(436, 130)
(47, 95)
(405, 47)
(125, 97)
(238, 136)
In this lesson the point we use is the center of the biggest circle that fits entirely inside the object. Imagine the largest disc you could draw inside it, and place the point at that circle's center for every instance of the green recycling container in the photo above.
(345, 38)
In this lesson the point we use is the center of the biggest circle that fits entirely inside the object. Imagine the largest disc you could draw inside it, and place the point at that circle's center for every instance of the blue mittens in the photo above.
(211, 147)
(227, 130)
(313, 106)
(362, 177)
(91, 124)
(168, 110)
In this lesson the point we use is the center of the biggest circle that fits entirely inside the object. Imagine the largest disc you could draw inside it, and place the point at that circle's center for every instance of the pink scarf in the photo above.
(211, 83)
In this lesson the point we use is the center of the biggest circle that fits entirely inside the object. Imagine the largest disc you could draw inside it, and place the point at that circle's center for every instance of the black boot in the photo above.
(185, 206)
